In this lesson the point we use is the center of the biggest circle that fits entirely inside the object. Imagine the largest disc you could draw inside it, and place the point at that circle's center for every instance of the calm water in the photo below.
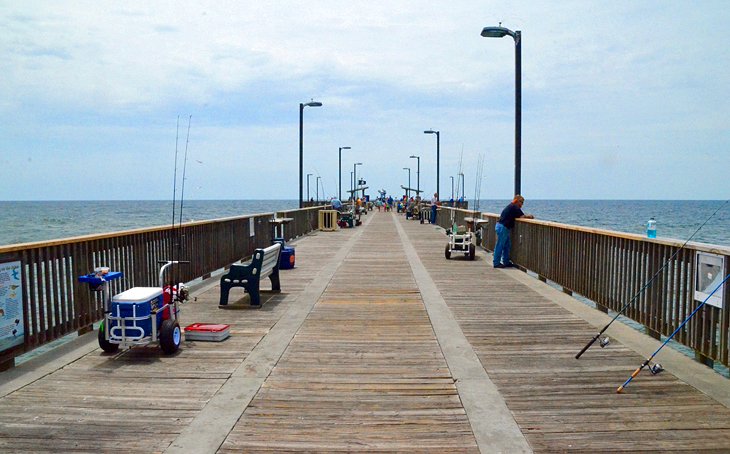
(22, 222)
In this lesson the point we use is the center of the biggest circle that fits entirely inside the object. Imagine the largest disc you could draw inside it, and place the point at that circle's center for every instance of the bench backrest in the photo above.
(270, 258)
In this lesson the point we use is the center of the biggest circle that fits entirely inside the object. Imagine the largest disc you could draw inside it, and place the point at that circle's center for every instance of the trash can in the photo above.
(287, 256)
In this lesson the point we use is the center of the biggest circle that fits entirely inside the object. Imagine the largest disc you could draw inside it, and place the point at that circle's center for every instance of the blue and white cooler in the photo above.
(132, 312)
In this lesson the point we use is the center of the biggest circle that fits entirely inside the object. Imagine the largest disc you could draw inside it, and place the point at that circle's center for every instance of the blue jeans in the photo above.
(433, 214)
(503, 246)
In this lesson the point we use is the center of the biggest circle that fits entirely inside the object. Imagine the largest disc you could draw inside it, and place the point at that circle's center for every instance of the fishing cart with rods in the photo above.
(140, 315)
(463, 239)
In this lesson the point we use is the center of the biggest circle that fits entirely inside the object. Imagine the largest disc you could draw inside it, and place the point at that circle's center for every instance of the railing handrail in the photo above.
(120, 233)
(704, 247)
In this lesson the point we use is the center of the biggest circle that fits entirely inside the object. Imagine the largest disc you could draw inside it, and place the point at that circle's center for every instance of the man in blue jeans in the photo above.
(504, 225)
(434, 207)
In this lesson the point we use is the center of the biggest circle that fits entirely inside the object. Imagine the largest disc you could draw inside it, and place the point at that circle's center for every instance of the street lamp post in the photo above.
(339, 174)
(418, 175)
(500, 32)
(301, 144)
(354, 179)
(408, 191)
(452, 187)
(438, 152)
(318, 178)
(308, 175)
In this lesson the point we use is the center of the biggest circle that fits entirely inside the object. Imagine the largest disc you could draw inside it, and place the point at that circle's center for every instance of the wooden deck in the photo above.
(378, 344)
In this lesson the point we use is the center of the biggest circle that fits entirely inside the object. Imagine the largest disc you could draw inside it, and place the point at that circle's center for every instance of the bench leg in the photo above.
(255, 298)
(275, 284)
(225, 289)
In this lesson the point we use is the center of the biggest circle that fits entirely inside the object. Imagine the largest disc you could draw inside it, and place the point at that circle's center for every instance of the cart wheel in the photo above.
(105, 344)
(472, 251)
(170, 336)
(447, 252)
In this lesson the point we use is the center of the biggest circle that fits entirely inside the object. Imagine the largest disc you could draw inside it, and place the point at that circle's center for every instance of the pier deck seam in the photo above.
(493, 424)
(221, 413)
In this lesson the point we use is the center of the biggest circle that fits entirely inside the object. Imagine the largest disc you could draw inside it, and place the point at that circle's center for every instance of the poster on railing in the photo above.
(12, 329)
(710, 272)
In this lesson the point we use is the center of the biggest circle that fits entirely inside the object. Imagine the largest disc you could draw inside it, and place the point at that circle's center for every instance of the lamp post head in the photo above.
(358, 163)
(497, 32)
(415, 157)
(345, 148)
(313, 104)
(430, 131)
(406, 168)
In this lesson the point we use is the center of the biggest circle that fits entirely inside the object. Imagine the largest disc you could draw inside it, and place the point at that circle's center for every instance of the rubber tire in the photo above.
(105, 344)
(170, 336)
(447, 252)
(472, 251)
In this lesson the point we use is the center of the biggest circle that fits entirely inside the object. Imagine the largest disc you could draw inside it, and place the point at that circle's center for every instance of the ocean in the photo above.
(23, 221)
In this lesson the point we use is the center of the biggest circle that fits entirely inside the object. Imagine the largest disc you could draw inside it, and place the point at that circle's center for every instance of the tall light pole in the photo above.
(452, 187)
(500, 32)
(408, 191)
(308, 175)
(339, 175)
(438, 151)
(318, 189)
(301, 144)
(418, 175)
(354, 178)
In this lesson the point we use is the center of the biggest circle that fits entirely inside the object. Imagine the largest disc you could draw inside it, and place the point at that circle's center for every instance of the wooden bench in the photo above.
(265, 263)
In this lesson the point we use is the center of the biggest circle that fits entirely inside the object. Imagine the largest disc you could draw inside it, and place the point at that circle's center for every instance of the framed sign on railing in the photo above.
(710, 272)
(12, 327)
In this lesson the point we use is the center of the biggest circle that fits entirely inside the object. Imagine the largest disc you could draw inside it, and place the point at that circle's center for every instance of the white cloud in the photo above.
(603, 84)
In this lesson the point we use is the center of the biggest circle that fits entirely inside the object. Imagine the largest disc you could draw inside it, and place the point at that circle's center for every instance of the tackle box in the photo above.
(207, 332)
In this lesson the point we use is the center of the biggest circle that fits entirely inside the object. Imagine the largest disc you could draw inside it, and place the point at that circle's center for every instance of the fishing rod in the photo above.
(174, 192)
(656, 368)
(604, 341)
(182, 199)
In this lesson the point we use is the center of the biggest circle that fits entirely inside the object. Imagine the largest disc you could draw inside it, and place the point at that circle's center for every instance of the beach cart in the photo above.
(140, 315)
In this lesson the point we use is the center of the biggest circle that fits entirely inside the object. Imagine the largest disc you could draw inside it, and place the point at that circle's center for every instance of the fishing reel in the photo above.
(655, 368)
(183, 293)
(604, 342)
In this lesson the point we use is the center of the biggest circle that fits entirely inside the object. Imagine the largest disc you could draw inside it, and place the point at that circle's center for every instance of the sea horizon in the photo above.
(25, 221)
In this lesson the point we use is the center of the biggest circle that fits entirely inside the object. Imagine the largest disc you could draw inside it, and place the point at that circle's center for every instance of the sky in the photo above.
(620, 99)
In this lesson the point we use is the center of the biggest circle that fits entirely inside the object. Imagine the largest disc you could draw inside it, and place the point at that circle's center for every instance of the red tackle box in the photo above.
(207, 332)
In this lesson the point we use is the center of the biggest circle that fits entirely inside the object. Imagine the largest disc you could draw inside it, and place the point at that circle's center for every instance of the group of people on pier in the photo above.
(414, 207)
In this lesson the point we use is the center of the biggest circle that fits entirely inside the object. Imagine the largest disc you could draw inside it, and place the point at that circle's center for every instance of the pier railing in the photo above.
(610, 268)
(55, 304)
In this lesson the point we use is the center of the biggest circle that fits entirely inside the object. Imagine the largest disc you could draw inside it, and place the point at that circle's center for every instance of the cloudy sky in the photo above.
(621, 99)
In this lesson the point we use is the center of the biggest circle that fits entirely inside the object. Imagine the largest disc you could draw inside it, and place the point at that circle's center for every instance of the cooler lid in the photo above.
(137, 294)
(206, 327)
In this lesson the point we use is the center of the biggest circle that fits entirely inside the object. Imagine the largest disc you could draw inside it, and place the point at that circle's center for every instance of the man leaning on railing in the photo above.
(504, 225)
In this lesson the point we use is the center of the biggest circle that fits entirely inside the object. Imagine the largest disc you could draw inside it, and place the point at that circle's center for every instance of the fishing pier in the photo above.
(376, 343)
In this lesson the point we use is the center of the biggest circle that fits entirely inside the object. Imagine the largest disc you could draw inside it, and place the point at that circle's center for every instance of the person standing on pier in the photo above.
(434, 207)
(504, 226)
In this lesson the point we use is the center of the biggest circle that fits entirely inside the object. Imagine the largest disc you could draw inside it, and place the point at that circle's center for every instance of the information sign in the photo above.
(12, 328)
